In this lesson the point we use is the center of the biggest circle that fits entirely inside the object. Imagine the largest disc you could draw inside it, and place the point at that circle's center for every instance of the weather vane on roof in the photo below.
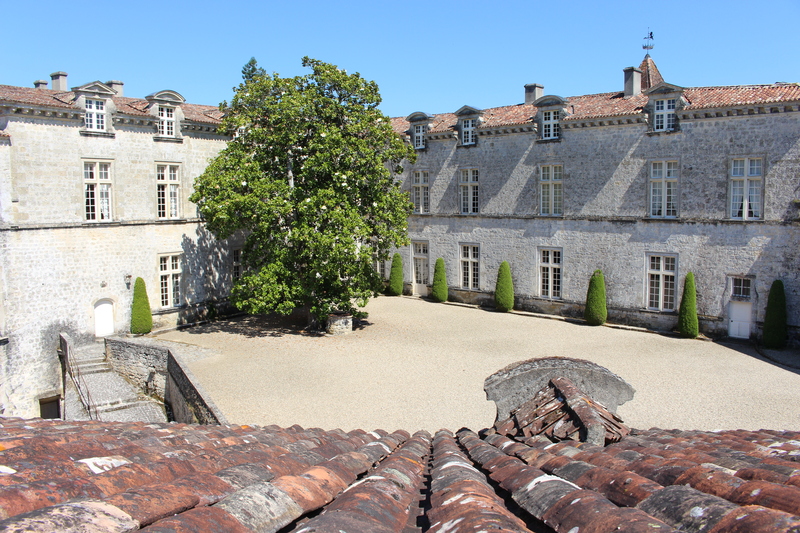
(648, 41)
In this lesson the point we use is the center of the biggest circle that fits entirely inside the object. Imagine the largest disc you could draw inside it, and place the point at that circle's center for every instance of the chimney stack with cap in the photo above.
(59, 81)
(633, 81)
(116, 85)
(40, 84)
(533, 91)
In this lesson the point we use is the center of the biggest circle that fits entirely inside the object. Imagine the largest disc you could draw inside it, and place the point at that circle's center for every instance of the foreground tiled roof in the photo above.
(102, 476)
(125, 105)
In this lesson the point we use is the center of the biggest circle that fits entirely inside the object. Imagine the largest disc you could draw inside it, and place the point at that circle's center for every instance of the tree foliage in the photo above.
(688, 325)
(396, 276)
(775, 330)
(439, 291)
(141, 315)
(596, 311)
(504, 289)
(307, 178)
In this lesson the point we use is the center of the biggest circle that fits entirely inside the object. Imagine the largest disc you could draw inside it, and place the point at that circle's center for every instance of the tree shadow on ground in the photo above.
(261, 326)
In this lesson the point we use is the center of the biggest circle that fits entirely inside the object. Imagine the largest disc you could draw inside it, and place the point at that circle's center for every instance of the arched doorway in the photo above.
(103, 318)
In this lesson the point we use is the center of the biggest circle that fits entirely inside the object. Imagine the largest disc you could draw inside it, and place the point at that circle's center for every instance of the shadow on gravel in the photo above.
(787, 359)
(259, 326)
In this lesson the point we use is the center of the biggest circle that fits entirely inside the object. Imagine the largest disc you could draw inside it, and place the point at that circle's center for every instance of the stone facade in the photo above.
(89, 204)
(609, 211)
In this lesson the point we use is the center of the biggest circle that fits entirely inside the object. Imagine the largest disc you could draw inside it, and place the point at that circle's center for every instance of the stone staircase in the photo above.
(105, 395)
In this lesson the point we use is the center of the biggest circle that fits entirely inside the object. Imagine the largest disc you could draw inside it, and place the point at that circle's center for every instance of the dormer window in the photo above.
(419, 136)
(550, 127)
(664, 115)
(95, 115)
(468, 134)
(166, 121)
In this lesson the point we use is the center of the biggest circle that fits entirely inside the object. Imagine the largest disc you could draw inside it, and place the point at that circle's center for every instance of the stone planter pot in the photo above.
(340, 324)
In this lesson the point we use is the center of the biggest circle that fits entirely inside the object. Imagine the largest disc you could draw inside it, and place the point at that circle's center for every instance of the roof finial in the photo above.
(648, 42)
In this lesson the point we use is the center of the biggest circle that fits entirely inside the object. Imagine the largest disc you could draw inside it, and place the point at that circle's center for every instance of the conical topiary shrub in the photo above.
(439, 292)
(141, 316)
(596, 311)
(774, 336)
(396, 276)
(687, 315)
(504, 289)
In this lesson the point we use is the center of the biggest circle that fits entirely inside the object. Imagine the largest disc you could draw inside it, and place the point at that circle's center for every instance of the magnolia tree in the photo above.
(308, 178)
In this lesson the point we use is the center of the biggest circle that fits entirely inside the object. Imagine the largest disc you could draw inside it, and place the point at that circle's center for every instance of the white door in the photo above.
(740, 314)
(421, 268)
(103, 318)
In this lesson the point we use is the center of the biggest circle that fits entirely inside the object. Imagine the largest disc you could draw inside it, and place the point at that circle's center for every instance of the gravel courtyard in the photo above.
(421, 365)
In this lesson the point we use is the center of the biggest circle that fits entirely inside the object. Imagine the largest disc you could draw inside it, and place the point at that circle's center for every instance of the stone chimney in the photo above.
(633, 81)
(533, 91)
(59, 81)
(116, 85)
(40, 84)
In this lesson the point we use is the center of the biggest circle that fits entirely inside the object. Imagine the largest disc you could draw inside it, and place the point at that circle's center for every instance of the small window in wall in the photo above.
(419, 136)
(169, 268)
(550, 126)
(664, 116)
(95, 115)
(468, 133)
(236, 263)
(664, 189)
(166, 121)
(552, 198)
(550, 273)
(167, 191)
(470, 267)
(746, 186)
(740, 288)
(97, 190)
(469, 191)
(661, 271)
(420, 193)
(50, 407)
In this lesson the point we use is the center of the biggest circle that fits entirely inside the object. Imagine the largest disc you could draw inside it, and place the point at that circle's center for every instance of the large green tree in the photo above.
(308, 179)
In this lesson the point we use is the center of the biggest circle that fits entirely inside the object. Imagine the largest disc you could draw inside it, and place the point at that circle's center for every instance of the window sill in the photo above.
(746, 299)
(545, 141)
(162, 139)
(92, 133)
(169, 310)
(662, 132)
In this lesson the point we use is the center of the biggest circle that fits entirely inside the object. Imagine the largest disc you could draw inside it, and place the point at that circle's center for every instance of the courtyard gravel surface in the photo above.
(415, 364)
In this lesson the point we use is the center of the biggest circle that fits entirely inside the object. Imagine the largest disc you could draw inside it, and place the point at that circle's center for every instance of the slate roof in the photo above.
(109, 476)
(616, 104)
(125, 105)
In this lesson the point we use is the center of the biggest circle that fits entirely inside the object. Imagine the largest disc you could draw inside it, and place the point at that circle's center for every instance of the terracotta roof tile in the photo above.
(174, 477)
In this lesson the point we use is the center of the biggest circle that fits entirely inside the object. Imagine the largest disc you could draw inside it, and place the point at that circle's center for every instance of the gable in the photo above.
(96, 88)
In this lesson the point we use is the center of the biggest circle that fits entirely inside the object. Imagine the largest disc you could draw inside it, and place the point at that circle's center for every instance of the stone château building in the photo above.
(94, 192)
(647, 183)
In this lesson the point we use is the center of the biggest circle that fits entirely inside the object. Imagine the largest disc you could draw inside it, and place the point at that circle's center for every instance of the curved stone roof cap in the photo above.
(109, 476)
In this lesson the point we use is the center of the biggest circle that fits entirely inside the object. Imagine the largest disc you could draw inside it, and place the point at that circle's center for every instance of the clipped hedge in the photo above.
(504, 289)
(688, 325)
(439, 291)
(141, 316)
(775, 330)
(596, 311)
(396, 276)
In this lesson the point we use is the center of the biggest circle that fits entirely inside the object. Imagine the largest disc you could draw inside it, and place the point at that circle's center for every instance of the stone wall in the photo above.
(605, 222)
(160, 369)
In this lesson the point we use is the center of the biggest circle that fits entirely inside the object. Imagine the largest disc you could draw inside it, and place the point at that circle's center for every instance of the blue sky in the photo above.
(432, 56)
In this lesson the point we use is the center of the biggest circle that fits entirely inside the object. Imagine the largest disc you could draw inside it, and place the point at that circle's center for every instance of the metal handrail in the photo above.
(77, 379)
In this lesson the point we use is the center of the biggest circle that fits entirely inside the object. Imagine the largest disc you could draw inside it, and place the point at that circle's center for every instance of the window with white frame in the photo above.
(421, 268)
(168, 191)
(664, 115)
(550, 126)
(468, 133)
(550, 273)
(236, 263)
(420, 193)
(664, 189)
(661, 271)
(470, 266)
(551, 197)
(745, 188)
(169, 270)
(97, 190)
(468, 190)
(419, 136)
(740, 288)
(166, 121)
(95, 115)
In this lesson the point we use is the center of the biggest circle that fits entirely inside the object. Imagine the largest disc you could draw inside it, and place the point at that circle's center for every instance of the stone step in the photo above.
(94, 368)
